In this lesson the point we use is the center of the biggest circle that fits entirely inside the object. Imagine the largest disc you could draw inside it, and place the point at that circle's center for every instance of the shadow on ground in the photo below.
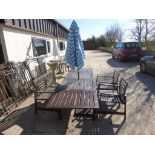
(126, 64)
(25, 122)
(100, 126)
(103, 125)
(148, 80)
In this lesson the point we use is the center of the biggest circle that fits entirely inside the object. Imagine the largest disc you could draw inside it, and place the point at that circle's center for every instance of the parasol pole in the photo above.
(78, 75)
(75, 57)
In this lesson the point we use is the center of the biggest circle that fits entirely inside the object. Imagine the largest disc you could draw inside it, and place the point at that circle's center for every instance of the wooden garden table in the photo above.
(76, 94)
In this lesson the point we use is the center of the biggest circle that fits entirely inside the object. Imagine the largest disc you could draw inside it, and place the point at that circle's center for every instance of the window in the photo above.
(61, 46)
(40, 47)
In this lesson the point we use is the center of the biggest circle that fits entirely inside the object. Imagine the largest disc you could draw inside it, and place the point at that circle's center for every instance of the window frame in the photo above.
(63, 45)
(48, 49)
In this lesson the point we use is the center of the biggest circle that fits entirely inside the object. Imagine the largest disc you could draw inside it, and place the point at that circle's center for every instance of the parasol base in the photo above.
(53, 65)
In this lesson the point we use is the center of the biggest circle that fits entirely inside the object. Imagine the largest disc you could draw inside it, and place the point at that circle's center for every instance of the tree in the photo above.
(92, 41)
(143, 30)
(138, 30)
(114, 34)
(97, 41)
(101, 41)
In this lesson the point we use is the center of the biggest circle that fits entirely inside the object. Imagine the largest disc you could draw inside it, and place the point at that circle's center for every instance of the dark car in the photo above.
(147, 64)
(127, 50)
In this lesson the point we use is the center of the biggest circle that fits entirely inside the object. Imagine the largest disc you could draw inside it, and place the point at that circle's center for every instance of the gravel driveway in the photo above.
(140, 93)
(140, 107)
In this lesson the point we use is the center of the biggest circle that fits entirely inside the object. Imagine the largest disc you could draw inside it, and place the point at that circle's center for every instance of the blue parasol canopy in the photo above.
(75, 51)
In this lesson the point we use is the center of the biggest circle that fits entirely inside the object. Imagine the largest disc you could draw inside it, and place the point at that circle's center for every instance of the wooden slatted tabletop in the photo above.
(76, 94)
(72, 83)
(74, 99)
(84, 73)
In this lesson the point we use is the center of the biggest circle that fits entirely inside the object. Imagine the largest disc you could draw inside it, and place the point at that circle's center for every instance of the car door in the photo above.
(151, 65)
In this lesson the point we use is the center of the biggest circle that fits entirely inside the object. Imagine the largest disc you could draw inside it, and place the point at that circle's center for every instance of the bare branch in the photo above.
(143, 30)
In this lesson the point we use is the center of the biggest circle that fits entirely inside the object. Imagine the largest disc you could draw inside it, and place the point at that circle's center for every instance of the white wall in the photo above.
(18, 44)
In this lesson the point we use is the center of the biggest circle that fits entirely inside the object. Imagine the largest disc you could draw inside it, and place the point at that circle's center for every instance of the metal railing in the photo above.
(16, 82)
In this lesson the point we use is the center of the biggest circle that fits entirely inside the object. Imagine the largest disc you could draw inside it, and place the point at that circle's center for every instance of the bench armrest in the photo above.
(44, 91)
(104, 78)
(110, 83)
(37, 93)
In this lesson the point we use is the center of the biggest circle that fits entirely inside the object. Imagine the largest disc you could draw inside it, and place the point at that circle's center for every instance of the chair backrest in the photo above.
(116, 76)
(123, 86)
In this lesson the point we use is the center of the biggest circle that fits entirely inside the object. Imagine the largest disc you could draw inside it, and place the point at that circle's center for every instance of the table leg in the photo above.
(60, 114)
(94, 114)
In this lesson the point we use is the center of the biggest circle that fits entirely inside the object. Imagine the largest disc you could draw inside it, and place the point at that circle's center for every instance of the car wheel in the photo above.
(142, 67)
(120, 58)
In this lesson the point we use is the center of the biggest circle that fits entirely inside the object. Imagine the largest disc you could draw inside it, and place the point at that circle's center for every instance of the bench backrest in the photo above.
(43, 81)
(123, 86)
(116, 76)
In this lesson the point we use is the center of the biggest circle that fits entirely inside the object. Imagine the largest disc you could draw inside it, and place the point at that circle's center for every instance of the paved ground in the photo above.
(140, 107)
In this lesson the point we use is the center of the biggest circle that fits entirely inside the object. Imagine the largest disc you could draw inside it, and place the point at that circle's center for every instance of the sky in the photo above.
(97, 27)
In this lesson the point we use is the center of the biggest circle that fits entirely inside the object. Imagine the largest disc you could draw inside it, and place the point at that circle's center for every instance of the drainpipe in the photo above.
(4, 49)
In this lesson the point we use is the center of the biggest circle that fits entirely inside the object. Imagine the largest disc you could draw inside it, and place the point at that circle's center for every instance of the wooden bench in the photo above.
(44, 88)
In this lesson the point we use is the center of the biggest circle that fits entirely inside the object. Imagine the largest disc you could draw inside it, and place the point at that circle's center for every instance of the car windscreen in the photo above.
(132, 45)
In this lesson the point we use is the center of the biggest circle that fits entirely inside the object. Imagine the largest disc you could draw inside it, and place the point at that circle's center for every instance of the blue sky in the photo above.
(89, 27)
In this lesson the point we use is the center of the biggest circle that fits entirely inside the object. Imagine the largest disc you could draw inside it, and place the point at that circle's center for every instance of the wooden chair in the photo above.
(107, 100)
(112, 84)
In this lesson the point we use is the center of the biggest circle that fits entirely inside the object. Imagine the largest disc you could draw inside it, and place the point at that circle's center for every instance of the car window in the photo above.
(117, 46)
(132, 45)
(122, 45)
(136, 45)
